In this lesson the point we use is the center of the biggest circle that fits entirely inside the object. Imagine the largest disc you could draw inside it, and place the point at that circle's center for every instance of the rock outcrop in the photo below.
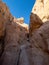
(39, 14)
(41, 8)
(21, 44)
(5, 17)
(35, 23)
(15, 35)
(20, 20)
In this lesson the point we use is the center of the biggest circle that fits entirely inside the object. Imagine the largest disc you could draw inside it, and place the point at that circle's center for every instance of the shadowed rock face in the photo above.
(5, 18)
(23, 45)
(35, 23)
(16, 35)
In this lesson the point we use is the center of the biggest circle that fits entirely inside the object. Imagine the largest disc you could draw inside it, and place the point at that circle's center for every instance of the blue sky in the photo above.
(20, 8)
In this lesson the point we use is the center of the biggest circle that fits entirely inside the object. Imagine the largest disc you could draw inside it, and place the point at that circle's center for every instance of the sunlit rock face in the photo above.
(39, 14)
(20, 20)
(5, 17)
(41, 8)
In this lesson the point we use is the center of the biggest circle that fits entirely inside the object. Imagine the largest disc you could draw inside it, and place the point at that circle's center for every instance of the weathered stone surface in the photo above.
(41, 36)
(10, 55)
(33, 56)
(41, 8)
(35, 23)
(5, 17)
(11, 50)
(37, 52)
(16, 35)
(20, 20)
(24, 30)
(24, 45)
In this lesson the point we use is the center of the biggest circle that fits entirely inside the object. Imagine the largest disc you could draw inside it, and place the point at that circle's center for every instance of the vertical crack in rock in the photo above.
(18, 58)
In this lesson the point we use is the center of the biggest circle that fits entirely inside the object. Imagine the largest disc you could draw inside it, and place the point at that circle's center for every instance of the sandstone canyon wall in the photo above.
(21, 44)
(41, 8)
